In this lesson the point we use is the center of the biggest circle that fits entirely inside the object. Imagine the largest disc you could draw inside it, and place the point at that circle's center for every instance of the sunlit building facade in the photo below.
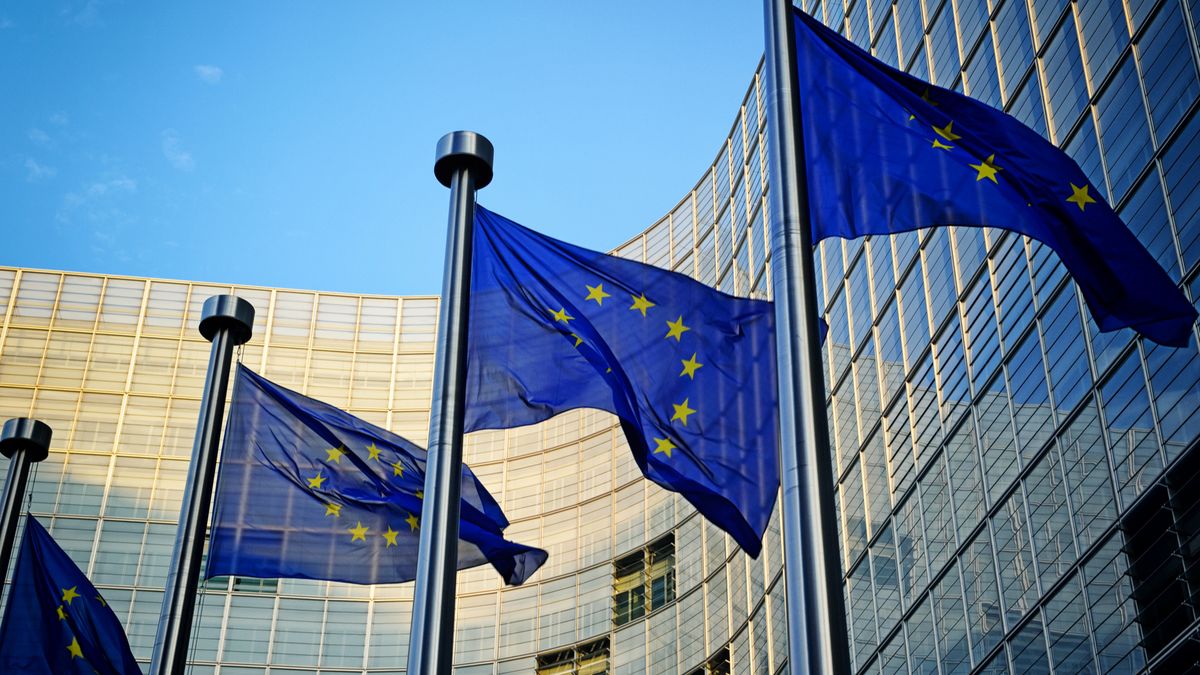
(1017, 491)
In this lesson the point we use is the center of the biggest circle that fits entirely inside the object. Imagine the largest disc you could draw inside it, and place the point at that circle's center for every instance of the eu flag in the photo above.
(306, 490)
(889, 153)
(689, 371)
(56, 621)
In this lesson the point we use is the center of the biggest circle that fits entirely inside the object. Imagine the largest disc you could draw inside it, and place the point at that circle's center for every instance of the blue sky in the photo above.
(291, 143)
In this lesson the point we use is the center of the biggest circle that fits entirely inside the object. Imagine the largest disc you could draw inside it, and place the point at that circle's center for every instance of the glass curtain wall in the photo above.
(1008, 478)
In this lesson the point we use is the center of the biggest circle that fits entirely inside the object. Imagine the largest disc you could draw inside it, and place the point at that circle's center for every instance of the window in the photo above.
(1171, 83)
(629, 587)
(661, 558)
(252, 585)
(1161, 531)
(1015, 46)
(982, 77)
(1105, 33)
(589, 658)
(592, 657)
(553, 663)
(1062, 70)
(1123, 129)
(717, 665)
(644, 580)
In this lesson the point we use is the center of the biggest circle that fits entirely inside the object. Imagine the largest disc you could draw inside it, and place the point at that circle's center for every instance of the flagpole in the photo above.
(227, 321)
(817, 640)
(464, 164)
(24, 441)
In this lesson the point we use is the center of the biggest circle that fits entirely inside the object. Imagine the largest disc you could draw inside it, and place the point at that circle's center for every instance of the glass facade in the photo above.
(1010, 481)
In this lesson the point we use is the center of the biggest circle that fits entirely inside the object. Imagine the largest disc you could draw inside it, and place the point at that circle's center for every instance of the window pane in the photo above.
(1171, 83)
(1123, 130)
(1015, 44)
(1105, 34)
(1183, 185)
(1062, 69)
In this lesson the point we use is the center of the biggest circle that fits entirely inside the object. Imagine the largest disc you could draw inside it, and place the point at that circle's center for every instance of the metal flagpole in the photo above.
(24, 441)
(464, 164)
(226, 321)
(817, 640)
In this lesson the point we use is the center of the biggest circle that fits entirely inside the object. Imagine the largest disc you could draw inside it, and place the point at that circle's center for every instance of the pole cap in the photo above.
(227, 312)
(464, 150)
(28, 434)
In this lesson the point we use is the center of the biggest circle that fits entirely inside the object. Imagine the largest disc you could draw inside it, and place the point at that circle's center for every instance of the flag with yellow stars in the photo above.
(689, 371)
(306, 490)
(56, 622)
(886, 152)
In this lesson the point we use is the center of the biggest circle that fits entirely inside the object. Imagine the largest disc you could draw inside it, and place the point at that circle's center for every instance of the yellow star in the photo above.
(69, 594)
(61, 614)
(1080, 196)
(924, 97)
(335, 454)
(987, 169)
(412, 522)
(681, 412)
(358, 532)
(334, 510)
(397, 469)
(101, 601)
(390, 536)
(578, 340)
(561, 315)
(372, 451)
(947, 132)
(596, 293)
(664, 446)
(941, 145)
(641, 304)
(75, 649)
(676, 329)
(315, 482)
(690, 366)
(420, 494)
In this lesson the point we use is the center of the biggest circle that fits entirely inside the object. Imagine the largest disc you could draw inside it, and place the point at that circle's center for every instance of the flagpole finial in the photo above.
(24, 433)
(24, 441)
(227, 311)
(464, 150)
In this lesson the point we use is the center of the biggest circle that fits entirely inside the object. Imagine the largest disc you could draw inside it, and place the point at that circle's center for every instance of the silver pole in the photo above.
(817, 640)
(464, 164)
(227, 321)
(24, 441)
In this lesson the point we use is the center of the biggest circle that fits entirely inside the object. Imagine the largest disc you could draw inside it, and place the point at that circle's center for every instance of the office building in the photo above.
(1016, 489)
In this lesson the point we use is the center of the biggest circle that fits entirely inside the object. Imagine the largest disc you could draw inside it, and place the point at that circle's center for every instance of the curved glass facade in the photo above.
(1010, 480)
(1001, 462)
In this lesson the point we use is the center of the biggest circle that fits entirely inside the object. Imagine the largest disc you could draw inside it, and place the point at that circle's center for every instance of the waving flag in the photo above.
(886, 152)
(56, 621)
(689, 371)
(306, 490)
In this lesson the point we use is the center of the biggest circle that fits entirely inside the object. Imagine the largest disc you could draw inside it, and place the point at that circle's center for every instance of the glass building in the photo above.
(1017, 491)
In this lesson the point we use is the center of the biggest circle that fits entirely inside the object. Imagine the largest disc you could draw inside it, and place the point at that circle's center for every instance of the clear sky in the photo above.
(291, 143)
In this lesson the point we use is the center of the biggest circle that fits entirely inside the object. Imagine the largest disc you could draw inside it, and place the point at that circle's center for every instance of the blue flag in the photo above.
(306, 490)
(56, 622)
(889, 153)
(689, 371)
